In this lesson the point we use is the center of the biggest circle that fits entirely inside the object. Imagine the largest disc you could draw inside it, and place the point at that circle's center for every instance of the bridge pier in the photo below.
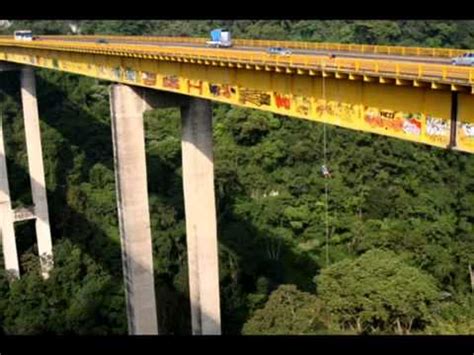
(35, 165)
(127, 108)
(7, 229)
(200, 209)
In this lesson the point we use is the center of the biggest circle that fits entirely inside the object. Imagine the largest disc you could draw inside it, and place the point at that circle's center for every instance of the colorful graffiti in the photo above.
(171, 81)
(409, 123)
(437, 127)
(130, 74)
(467, 129)
(256, 97)
(335, 110)
(149, 78)
(195, 85)
(224, 90)
(303, 105)
(117, 72)
(282, 101)
(412, 125)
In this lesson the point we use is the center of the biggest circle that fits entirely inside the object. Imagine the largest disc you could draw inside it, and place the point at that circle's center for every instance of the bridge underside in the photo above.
(427, 112)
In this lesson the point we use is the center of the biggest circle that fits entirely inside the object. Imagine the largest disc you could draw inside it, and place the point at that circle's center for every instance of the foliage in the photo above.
(378, 292)
(288, 311)
(78, 298)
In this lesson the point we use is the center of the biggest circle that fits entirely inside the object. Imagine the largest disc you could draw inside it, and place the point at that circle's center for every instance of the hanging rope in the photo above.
(326, 172)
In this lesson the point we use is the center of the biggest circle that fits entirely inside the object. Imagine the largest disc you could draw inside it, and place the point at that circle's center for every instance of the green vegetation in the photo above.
(288, 312)
(401, 214)
(379, 291)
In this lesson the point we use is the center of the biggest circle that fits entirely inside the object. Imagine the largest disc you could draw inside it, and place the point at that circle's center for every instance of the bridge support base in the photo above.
(127, 108)
(201, 228)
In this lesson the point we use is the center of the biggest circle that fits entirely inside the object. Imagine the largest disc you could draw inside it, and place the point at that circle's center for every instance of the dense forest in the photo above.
(401, 215)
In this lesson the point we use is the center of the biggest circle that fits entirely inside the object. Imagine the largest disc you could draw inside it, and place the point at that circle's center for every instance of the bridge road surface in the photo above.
(343, 54)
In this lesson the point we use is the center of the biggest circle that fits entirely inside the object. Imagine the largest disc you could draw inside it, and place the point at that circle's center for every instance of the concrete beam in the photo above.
(7, 230)
(7, 66)
(24, 213)
(160, 99)
(35, 163)
(127, 106)
(200, 209)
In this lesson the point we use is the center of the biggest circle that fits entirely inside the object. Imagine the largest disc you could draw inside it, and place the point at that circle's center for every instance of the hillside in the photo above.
(401, 215)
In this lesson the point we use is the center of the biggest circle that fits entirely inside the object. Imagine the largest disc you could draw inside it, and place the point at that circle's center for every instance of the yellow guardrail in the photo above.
(431, 72)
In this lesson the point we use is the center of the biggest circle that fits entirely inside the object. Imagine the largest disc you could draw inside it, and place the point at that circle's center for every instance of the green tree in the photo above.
(288, 311)
(378, 292)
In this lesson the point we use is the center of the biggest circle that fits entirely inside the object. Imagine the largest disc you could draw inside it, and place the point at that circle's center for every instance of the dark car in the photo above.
(102, 40)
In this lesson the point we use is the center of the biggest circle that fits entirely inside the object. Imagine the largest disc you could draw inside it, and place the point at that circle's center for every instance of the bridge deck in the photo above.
(405, 93)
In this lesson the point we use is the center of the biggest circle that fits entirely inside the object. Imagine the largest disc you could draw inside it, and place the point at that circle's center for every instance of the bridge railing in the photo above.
(437, 72)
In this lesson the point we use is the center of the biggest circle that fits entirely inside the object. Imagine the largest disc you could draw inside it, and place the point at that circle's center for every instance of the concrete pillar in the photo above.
(127, 107)
(201, 226)
(35, 164)
(7, 230)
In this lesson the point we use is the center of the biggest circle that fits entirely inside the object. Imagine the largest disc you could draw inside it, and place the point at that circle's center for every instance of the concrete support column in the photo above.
(7, 230)
(201, 226)
(127, 107)
(35, 163)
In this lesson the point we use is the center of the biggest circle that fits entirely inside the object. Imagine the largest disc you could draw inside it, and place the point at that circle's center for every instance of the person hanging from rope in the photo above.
(325, 171)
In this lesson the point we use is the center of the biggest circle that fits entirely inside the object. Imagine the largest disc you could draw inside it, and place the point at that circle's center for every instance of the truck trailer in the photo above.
(220, 38)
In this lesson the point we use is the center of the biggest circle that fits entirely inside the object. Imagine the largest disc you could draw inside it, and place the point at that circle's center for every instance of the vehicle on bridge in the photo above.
(465, 59)
(279, 51)
(23, 35)
(220, 38)
(102, 41)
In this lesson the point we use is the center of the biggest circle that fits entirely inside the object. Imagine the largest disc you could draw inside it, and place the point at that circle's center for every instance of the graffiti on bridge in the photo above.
(335, 110)
(437, 128)
(255, 97)
(149, 78)
(195, 85)
(282, 101)
(397, 121)
(467, 130)
(303, 105)
(222, 90)
(117, 72)
(171, 81)
(130, 74)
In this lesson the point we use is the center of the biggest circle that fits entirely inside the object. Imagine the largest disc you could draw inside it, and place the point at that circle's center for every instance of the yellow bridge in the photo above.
(404, 92)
